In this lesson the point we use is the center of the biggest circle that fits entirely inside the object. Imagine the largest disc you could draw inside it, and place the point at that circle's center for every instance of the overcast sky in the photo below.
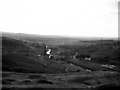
(60, 17)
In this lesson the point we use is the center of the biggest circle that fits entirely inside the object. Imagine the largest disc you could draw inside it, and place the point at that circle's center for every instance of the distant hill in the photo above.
(53, 40)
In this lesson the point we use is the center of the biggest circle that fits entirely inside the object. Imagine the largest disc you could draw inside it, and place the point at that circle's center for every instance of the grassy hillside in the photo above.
(21, 63)
(20, 54)
(103, 52)
(22, 57)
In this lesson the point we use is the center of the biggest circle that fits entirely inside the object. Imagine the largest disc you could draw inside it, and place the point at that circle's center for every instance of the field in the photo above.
(26, 66)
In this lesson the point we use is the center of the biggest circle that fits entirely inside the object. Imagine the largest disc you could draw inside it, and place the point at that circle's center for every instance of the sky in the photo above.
(119, 18)
(82, 18)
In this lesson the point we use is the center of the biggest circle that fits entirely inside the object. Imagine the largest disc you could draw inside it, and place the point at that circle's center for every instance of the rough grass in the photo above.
(19, 63)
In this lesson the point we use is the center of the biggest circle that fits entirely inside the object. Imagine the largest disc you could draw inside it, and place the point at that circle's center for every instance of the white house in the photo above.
(87, 58)
(49, 53)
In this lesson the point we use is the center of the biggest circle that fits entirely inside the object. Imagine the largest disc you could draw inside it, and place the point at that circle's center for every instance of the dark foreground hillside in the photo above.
(99, 80)
(24, 65)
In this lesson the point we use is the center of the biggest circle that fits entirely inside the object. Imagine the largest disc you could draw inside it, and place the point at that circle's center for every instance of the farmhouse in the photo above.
(108, 66)
(48, 53)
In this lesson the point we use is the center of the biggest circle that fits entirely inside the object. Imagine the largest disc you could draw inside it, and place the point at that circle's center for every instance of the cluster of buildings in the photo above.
(46, 52)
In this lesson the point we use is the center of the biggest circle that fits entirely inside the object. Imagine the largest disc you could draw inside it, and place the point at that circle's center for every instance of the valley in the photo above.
(39, 62)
